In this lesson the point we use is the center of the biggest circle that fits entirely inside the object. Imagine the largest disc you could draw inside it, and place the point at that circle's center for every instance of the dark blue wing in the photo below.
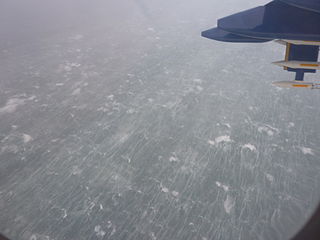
(280, 19)
(276, 20)
(221, 35)
(311, 5)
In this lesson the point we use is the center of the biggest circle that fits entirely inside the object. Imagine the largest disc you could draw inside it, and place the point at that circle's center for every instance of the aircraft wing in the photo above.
(310, 5)
(295, 22)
